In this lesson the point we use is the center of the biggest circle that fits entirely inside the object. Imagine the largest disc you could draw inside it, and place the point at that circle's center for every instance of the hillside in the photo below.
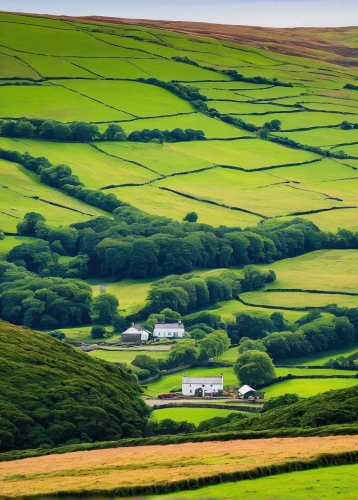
(52, 394)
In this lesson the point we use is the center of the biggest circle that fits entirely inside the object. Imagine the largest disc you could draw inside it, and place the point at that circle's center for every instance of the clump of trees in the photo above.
(254, 368)
(160, 136)
(192, 292)
(273, 335)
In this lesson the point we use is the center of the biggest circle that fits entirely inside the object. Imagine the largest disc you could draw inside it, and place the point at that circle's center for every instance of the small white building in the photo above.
(169, 330)
(245, 391)
(199, 386)
(136, 334)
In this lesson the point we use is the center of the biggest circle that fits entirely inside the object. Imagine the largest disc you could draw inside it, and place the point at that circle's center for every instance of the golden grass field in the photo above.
(154, 465)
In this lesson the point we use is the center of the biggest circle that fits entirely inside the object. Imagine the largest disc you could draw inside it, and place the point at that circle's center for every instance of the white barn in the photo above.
(169, 330)
(199, 386)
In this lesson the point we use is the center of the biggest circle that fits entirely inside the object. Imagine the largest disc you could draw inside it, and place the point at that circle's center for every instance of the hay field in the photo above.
(121, 467)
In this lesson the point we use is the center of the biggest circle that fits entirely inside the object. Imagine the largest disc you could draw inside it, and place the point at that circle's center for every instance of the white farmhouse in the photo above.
(169, 330)
(199, 386)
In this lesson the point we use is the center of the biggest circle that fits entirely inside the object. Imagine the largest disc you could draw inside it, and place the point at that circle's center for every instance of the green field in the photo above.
(328, 483)
(213, 128)
(328, 270)
(294, 121)
(133, 98)
(191, 415)
(307, 387)
(49, 102)
(94, 168)
(246, 154)
(298, 299)
(21, 192)
(126, 355)
(319, 359)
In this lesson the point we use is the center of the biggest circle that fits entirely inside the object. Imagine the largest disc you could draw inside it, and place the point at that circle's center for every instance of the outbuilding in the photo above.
(199, 386)
(246, 391)
(135, 335)
(169, 330)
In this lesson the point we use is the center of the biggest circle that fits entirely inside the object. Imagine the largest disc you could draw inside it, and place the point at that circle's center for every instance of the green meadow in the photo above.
(191, 415)
(328, 483)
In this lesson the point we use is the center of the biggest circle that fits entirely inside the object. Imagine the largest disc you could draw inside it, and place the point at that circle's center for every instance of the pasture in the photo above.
(156, 201)
(212, 127)
(109, 469)
(320, 358)
(126, 355)
(132, 98)
(307, 387)
(246, 153)
(93, 167)
(298, 299)
(314, 484)
(22, 192)
(191, 415)
(295, 121)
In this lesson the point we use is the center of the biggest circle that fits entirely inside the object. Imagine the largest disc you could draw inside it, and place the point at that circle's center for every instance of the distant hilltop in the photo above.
(326, 44)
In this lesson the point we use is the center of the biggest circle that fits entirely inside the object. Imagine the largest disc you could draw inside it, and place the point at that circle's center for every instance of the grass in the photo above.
(334, 220)
(131, 294)
(155, 201)
(213, 128)
(58, 42)
(292, 121)
(161, 158)
(330, 270)
(110, 67)
(137, 99)
(83, 334)
(298, 299)
(126, 355)
(245, 108)
(319, 359)
(53, 67)
(11, 67)
(306, 387)
(94, 168)
(247, 154)
(191, 415)
(47, 102)
(18, 198)
(328, 483)
(282, 372)
(12, 241)
(322, 171)
(172, 70)
(257, 192)
(109, 469)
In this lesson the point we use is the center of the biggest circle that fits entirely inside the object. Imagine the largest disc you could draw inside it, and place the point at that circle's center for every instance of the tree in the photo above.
(276, 345)
(119, 323)
(105, 307)
(173, 297)
(254, 368)
(214, 344)
(114, 133)
(191, 217)
(98, 332)
(182, 354)
(346, 125)
(27, 226)
(254, 325)
(2, 235)
(247, 344)
(146, 362)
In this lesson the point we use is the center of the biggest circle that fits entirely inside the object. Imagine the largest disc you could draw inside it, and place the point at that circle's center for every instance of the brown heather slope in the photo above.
(334, 45)
(106, 470)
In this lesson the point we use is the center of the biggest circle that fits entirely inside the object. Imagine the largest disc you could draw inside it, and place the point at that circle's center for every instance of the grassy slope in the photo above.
(324, 483)
(33, 363)
(192, 415)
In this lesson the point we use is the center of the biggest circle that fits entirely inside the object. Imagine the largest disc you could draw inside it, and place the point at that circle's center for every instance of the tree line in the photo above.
(53, 130)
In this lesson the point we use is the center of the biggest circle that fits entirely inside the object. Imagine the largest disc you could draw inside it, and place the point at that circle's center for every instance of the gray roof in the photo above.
(203, 380)
(169, 325)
